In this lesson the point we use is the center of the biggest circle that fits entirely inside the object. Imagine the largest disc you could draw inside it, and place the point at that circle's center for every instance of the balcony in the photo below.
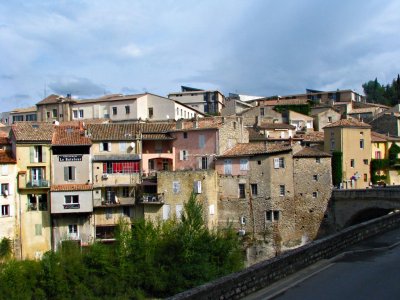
(151, 199)
(37, 184)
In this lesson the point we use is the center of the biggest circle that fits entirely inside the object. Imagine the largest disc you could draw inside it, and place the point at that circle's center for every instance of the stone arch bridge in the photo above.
(350, 207)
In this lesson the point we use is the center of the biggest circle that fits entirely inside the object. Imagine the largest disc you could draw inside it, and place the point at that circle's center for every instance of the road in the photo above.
(368, 270)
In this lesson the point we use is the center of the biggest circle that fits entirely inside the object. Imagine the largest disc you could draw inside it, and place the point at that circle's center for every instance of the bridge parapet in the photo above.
(384, 193)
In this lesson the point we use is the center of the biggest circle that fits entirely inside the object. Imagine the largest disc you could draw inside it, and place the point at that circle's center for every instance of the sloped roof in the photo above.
(276, 126)
(112, 97)
(6, 157)
(378, 137)
(52, 99)
(71, 187)
(311, 152)
(69, 135)
(250, 149)
(348, 123)
(127, 131)
(282, 102)
(33, 131)
(24, 110)
(363, 110)
(311, 136)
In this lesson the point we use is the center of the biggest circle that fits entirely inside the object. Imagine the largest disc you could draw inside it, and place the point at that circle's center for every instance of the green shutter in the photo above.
(65, 173)
(44, 154)
(32, 153)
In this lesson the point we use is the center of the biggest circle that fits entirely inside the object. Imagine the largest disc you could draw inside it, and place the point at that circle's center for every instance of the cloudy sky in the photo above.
(257, 47)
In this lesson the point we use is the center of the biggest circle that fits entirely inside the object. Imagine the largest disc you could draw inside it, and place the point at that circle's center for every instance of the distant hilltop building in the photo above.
(206, 101)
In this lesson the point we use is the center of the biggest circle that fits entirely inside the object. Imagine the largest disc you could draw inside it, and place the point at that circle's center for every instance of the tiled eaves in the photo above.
(71, 187)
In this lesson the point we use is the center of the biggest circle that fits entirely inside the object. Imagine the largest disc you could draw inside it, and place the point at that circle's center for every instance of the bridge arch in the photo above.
(367, 214)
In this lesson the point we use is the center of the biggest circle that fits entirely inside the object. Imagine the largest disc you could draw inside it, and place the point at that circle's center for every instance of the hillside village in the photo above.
(72, 169)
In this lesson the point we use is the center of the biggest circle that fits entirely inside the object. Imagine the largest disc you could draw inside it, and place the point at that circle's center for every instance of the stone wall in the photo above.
(256, 277)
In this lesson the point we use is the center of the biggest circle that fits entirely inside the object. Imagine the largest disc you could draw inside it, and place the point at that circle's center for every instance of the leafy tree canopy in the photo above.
(388, 94)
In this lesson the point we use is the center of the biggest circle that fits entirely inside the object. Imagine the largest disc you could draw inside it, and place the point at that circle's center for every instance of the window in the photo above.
(37, 177)
(185, 135)
(151, 112)
(105, 146)
(69, 173)
(81, 113)
(126, 211)
(123, 167)
(315, 177)
(37, 154)
(5, 191)
(202, 141)
(4, 170)
(282, 190)
(31, 117)
(254, 189)
(204, 163)
(36, 201)
(259, 162)
(272, 215)
(279, 162)
(127, 109)
(332, 144)
(378, 154)
(75, 114)
(54, 113)
(183, 155)
(73, 230)
(315, 194)
(262, 111)
(48, 115)
(38, 229)
(5, 210)
(114, 110)
(244, 164)
(352, 163)
(365, 161)
(125, 191)
(242, 190)
(329, 119)
(71, 199)
(227, 166)
(365, 177)
(318, 160)
(361, 143)
(176, 187)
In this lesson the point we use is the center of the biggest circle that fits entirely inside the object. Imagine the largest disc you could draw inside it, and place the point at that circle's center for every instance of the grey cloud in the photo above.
(6, 77)
(76, 86)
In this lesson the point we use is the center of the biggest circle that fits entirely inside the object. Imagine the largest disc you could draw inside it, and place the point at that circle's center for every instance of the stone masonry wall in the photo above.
(247, 281)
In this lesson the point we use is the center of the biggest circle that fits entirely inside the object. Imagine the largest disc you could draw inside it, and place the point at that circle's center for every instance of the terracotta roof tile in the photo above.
(283, 102)
(33, 131)
(71, 187)
(312, 136)
(363, 110)
(274, 126)
(70, 135)
(52, 99)
(250, 149)
(311, 152)
(6, 157)
(126, 131)
(351, 123)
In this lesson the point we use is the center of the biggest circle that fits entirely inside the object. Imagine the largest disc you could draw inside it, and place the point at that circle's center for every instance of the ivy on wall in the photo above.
(302, 109)
(378, 165)
(337, 169)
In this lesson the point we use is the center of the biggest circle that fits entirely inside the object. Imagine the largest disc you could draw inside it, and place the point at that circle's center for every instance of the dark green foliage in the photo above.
(149, 260)
(378, 165)
(337, 172)
(5, 248)
(388, 94)
(394, 151)
(302, 108)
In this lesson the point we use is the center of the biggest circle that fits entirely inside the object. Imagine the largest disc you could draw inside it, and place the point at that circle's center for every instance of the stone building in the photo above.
(324, 116)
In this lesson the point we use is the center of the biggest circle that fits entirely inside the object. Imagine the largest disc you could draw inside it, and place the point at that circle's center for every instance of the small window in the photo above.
(318, 160)
(244, 164)
(38, 229)
(365, 177)
(282, 190)
(105, 146)
(125, 191)
(259, 162)
(365, 161)
(254, 189)
(272, 215)
(184, 155)
(5, 210)
(329, 119)
(176, 187)
(242, 190)
(315, 177)
(315, 194)
(81, 113)
(5, 191)
(185, 135)
(75, 114)
(69, 173)
(48, 115)
(54, 113)
(352, 163)
(127, 109)
(204, 163)
(151, 112)
(276, 215)
(279, 162)
(114, 110)
(262, 112)
(361, 143)
(71, 199)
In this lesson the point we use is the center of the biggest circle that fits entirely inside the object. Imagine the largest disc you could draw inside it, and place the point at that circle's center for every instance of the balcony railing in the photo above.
(152, 199)
(37, 184)
(72, 206)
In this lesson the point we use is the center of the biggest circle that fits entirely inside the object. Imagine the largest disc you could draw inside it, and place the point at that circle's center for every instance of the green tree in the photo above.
(375, 92)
